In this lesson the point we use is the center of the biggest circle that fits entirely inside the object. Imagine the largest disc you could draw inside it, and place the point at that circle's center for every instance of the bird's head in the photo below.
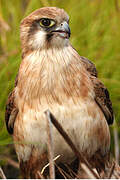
(45, 28)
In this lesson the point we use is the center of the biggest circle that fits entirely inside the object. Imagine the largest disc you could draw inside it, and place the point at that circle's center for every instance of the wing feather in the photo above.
(102, 97)
(11, 110)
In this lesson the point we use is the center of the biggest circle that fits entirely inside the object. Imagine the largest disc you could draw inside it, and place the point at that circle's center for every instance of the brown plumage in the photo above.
(101, 93)
(53, 76)
(11, 110)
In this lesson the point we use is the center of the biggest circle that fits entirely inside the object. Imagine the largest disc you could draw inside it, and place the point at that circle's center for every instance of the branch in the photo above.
(69, 142)
(50, 146)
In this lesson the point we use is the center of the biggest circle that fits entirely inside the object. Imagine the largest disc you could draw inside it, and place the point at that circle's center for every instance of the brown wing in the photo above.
(11, 111)
(102, 95)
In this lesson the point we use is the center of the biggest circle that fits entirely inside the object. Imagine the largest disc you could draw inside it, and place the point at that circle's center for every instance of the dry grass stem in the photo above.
(111, 172)
(69, 142)
(72, 172)
(12, 162)
(64, 174)
(87, 171)
(40, 175)
(2, 175)
(50, 146)
(49, 164)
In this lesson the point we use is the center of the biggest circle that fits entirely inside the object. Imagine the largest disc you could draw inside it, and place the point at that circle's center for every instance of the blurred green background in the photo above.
(95, 27)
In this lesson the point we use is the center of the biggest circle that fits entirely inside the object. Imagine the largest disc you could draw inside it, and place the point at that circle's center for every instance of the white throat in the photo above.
(39, 41)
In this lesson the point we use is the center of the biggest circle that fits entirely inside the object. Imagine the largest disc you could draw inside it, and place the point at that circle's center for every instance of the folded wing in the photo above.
(102, 97)
(11, 111)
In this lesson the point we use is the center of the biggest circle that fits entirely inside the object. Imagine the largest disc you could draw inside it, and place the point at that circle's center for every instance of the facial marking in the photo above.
(39, 39)
(42, 29)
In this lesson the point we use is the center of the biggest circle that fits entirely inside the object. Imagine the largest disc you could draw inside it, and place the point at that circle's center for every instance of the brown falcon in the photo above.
(53, 76)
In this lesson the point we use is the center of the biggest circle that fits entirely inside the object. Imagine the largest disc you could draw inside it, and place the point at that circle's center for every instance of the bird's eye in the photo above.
(47, 22)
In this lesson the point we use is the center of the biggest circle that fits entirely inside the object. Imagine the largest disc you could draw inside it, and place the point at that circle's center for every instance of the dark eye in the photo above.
(47, 22)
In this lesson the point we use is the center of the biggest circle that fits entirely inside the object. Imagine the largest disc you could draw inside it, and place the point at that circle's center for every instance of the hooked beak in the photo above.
(63, 30)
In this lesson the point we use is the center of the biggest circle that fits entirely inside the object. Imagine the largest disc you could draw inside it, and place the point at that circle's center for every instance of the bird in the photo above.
(52, 75)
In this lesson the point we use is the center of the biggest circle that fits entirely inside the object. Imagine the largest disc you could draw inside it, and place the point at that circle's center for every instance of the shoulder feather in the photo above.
(102, 97)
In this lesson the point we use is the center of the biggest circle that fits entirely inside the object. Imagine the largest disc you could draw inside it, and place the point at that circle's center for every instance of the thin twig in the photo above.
(43, 169)
(64, 174)
(50, 146)
(72, 172)
(2, 175)
(40, 175)
(12, 162)
(111, 171)
(88, 172)
(69, 142)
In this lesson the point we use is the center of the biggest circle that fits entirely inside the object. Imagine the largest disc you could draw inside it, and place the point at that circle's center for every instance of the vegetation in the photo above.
(95, 27)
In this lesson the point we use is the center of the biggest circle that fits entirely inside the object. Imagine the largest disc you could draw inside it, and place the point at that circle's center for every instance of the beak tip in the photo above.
(67, 28)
